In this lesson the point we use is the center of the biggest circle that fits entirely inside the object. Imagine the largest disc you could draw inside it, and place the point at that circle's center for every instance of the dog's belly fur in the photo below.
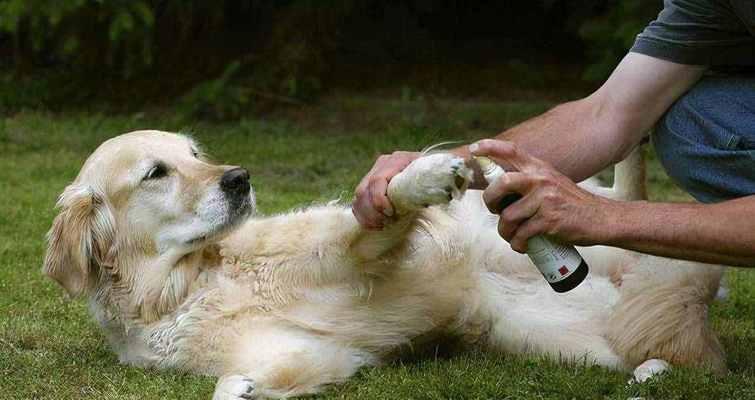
(453, 274)
(295, 299)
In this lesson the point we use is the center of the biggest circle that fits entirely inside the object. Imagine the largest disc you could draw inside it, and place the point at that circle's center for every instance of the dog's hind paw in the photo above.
(429, 180)
(234, 387)
(649, 369)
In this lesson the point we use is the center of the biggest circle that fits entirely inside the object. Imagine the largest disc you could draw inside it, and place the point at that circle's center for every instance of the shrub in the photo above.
(216, 99)
(83, 32)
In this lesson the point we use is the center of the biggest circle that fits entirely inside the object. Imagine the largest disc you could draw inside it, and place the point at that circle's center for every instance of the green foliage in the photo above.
(611, 34)
(298, 45)
(216, 99)
(528, 75)
(115, 41)
(292, 51)
(22, 93)
(71, 30)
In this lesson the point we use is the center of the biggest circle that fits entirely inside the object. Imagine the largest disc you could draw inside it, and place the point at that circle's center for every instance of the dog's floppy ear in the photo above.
(79, 240)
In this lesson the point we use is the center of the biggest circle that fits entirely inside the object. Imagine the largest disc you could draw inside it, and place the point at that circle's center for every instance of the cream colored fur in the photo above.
(282, 305)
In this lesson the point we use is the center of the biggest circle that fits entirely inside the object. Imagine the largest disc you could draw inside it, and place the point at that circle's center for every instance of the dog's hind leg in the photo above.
(663, 313)
(628, 179)
(280, 361)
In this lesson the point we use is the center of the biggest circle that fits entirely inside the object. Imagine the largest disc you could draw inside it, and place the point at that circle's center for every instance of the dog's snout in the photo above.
(235, 180)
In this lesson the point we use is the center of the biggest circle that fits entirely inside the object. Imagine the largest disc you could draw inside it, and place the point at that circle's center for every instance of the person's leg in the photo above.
(706, 140)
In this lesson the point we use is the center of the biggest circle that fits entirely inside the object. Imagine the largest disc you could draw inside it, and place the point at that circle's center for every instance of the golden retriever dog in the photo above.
(180, 273)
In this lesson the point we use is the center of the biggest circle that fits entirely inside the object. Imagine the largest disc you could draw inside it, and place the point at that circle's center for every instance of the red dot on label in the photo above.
(563, 270)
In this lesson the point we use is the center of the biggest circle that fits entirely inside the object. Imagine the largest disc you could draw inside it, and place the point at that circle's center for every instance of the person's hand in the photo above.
(551, 203)
(371, 206)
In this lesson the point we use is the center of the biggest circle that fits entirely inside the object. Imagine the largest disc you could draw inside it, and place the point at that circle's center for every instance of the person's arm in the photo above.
(582, 137)
(579, 138)
(715, 233)
(554, 205)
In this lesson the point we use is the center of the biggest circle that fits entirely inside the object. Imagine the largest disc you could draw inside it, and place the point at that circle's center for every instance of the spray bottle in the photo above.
(561, 265)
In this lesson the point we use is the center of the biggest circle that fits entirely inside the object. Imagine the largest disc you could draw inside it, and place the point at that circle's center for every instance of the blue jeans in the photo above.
(706, 140)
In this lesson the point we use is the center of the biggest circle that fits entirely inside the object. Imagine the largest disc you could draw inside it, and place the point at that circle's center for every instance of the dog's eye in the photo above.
(194, 152)
(157, 172)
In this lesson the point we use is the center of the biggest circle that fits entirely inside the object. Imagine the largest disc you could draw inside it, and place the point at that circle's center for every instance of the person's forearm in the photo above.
(578, 138)
(722, 233)
(582, 137)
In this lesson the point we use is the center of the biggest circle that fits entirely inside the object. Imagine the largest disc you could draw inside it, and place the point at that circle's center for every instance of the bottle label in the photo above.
(556, 262)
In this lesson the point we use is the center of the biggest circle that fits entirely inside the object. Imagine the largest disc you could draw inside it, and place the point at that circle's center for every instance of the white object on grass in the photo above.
(649, 369)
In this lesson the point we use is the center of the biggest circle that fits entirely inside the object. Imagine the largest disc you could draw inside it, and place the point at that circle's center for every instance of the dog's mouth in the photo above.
(239, 209)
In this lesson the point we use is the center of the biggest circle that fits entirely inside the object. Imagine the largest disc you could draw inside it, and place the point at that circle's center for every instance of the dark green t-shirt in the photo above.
(702, 32)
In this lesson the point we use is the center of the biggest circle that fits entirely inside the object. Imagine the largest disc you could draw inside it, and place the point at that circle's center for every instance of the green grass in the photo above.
(50, 349)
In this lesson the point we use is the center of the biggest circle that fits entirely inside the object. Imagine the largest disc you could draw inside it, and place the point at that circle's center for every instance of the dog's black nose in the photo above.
(235, 180)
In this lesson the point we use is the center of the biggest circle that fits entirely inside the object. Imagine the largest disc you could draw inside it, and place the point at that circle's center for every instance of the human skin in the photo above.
(592, 133)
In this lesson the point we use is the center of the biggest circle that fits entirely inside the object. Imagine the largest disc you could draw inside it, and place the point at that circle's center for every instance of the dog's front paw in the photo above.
(234, 387)
(430, 180)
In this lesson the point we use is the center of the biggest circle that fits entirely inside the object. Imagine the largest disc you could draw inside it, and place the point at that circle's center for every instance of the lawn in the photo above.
(50, 348)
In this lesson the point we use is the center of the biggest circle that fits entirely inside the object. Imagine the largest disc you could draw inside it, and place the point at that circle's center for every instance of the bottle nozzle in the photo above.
(485, 163)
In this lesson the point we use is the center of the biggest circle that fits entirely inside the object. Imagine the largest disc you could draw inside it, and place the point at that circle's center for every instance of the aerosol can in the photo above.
(561, 265)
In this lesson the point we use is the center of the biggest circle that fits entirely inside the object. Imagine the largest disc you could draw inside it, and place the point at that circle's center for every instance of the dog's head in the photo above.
(141, 203)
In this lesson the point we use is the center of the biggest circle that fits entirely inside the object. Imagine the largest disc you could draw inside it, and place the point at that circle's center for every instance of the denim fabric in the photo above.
(706, 140)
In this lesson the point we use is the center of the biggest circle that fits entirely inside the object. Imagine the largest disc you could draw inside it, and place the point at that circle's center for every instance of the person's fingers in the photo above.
(363, 209)
(365, 219)
(386, 168)
(499, 193)
(506, 154)
(364, 216)
(529, 228)
(517, 214)
(371, 205)
(501, 152)
(378, 190)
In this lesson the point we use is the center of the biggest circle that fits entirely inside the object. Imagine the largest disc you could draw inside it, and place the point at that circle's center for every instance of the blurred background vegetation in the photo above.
(220, 59)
